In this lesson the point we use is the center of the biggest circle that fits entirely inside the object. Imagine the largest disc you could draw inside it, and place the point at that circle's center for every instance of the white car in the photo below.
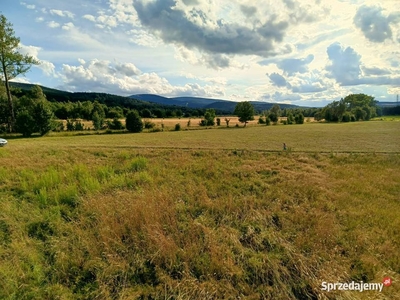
(3, 142)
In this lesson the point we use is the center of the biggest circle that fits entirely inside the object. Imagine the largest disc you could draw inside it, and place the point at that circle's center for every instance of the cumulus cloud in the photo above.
(278, 80)
(47, 67)
(68, 26)
(172, 24)
(345, 64)
(294, 65)
(53, 24)
(89, 17)
(375, 26)
(345, 68)
(375, 71)
(248, 10)
(127, 79)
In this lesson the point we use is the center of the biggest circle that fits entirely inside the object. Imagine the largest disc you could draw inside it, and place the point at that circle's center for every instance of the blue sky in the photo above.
(307, 52)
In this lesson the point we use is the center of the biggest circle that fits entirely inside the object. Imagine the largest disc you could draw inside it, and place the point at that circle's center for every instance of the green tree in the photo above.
(209, 117)
(299, 118)
(245, 112)
(290, 118)
(146, 113)
(275, 109)
(97, 121)
(34, 113)
(25, 123)
(12, 63)
(133, 121)
(43, 116)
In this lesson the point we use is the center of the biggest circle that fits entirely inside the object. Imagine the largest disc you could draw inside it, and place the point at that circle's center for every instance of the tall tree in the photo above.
(245, 112)
(12, 63)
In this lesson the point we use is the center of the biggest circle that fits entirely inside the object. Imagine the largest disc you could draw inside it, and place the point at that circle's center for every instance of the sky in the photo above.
(308, 52)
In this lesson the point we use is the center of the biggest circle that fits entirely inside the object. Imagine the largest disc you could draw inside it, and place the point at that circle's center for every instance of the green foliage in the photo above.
(290, 118)
(245, 112)
(218, 122)
(134, 122)
(261, 120)
(146, 113)
(209, 117)
(115, 124)
(34, 114)
(12, 63)
(177, 127)
(74, 125)
(43, 116)
(267, 121)
(97, 121)
(273, 117)
(25, 123)
(275, 109)
(361, 106)
(149, 125)
(299, 118)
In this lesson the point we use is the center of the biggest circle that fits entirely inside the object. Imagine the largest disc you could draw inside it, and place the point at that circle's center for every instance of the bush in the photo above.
(177, 127)
(267, 121)
(134, 122)
(261, 120)
(148, 124)
(188, 123)
(25, 123)
(203, 123)
(78, 126)
(58, 126)
(218, 122)
(115, 124)
(299, 118)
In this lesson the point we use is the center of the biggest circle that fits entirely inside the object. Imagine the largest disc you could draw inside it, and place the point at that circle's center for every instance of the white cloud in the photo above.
(53, 24)
(61, 13)
(68, 26)
(89, 17)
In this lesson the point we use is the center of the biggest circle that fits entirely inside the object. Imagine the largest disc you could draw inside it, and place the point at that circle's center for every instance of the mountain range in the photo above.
(197, 102)
(144, 100)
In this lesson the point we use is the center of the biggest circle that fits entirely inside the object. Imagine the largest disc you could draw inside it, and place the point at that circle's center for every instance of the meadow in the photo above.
(202, 214)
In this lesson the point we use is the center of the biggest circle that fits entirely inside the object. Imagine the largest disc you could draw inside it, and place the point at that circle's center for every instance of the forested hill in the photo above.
(204, 103)
(54, 95)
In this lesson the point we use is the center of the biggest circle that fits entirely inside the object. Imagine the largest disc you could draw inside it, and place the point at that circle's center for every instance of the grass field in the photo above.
(310, 137)
(202, 214)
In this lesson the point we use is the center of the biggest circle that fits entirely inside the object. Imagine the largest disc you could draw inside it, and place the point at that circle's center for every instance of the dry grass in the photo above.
(95, 217)
(313, 137)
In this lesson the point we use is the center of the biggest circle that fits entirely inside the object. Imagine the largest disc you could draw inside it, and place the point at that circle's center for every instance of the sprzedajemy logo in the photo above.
(356, 286)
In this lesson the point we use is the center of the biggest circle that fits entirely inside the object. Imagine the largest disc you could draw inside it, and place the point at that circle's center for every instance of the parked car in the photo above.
(3, 142)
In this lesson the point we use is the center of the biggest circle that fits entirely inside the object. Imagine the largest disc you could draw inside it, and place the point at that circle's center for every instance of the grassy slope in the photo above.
(94, 216)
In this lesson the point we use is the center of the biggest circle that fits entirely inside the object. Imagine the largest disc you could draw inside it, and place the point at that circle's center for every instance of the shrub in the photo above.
(261, 120)
(299, 118)
(78, 126)
(218, 122)
(203, 123)
(134, 122)
(116, 124)
(149, 125)
(177, 127)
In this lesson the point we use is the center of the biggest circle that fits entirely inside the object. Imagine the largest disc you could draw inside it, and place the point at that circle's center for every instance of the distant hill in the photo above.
(388, 104)
(204, 103)
(149, 101)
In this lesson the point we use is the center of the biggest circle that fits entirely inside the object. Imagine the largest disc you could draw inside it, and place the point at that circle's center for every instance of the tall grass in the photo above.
(109, 223)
